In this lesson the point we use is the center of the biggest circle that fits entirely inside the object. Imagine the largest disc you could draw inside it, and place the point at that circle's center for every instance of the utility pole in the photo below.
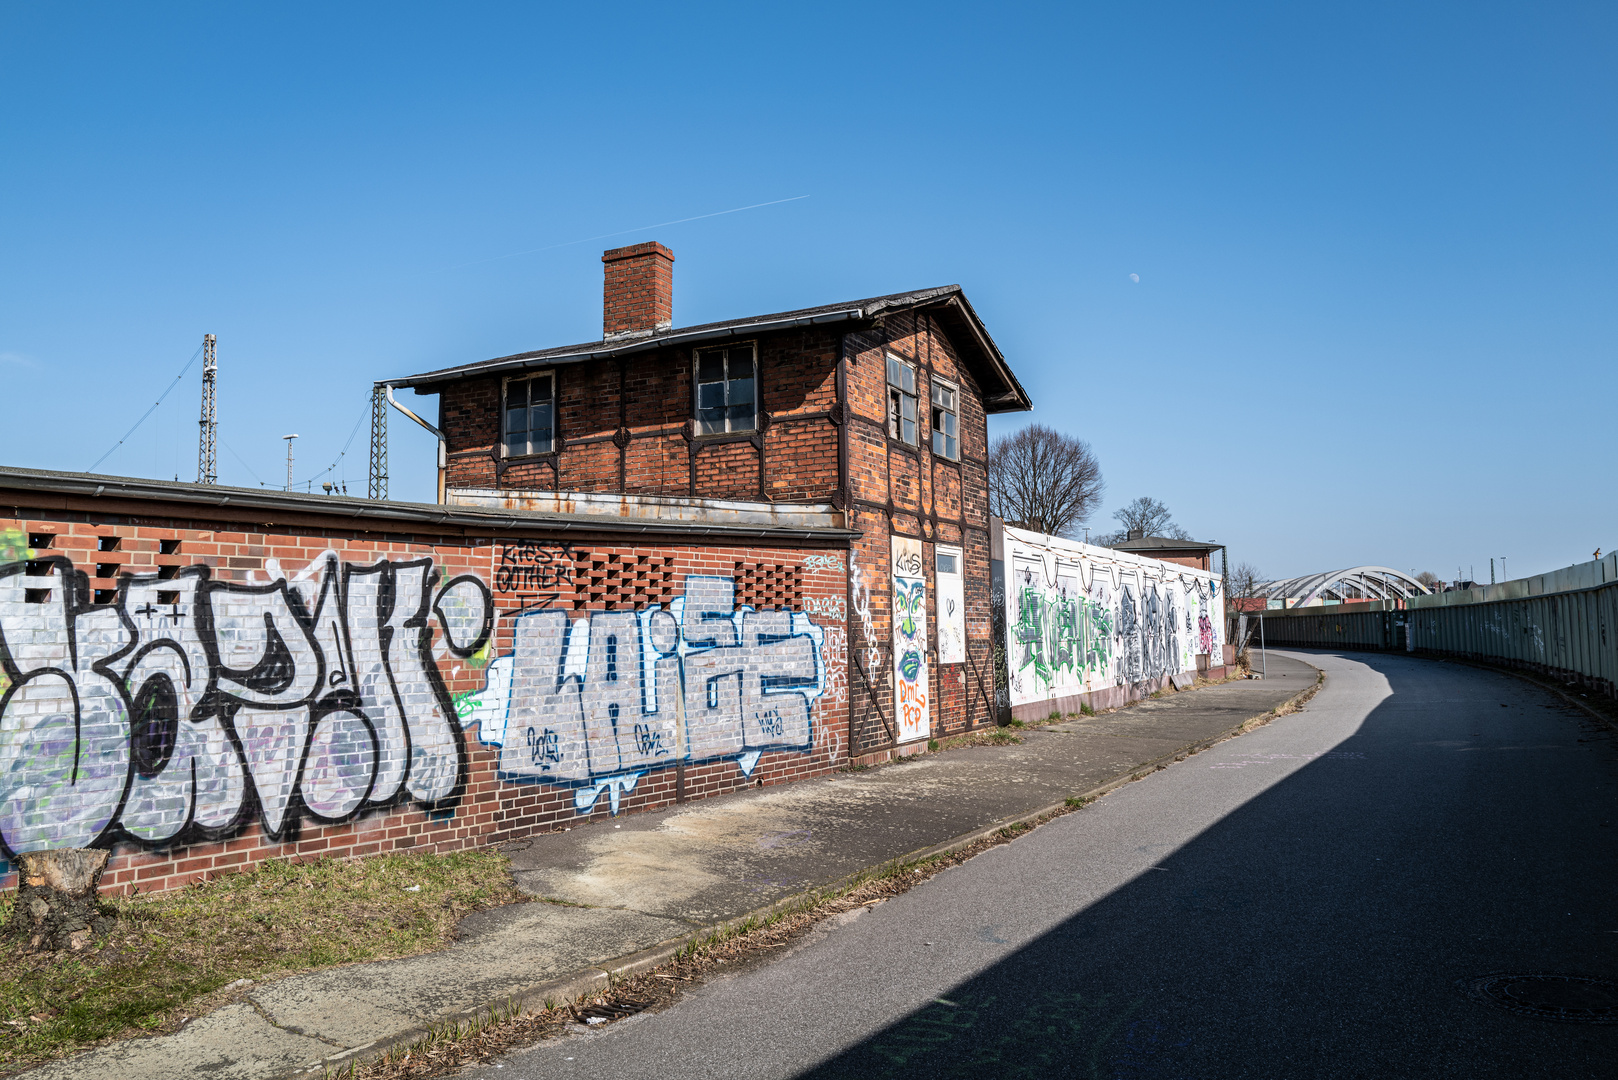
(289, 439)
(379, 443)
(207, 455)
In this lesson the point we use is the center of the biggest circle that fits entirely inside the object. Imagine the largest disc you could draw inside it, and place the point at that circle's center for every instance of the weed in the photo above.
(932, 746)
(177, 953)
(1080, 802)
(1087, 709)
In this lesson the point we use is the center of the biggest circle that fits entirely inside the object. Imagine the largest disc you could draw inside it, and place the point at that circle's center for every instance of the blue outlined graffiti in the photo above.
(596, 702)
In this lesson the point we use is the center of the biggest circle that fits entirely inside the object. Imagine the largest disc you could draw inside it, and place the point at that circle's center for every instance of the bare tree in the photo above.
(1151, 517)
(1242, 583)
(1433, 582)
(1043, 480)
(1242, 593)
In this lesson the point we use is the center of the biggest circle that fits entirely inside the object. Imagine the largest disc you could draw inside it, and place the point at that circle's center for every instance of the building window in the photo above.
(530, 415)
(949, 560)
(901, 400)
(946, 421)
(726, 390)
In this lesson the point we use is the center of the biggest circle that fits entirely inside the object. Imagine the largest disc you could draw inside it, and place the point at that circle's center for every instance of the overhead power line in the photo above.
(150, 411)
(338, 460)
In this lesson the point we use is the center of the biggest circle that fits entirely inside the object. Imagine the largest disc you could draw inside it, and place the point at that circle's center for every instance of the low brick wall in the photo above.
(203, 695)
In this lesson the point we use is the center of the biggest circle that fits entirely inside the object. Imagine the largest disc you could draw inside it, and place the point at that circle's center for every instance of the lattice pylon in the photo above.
(207, 450)
(378, 487)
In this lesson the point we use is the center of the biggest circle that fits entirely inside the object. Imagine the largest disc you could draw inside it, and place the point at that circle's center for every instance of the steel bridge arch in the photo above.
(1353, 583)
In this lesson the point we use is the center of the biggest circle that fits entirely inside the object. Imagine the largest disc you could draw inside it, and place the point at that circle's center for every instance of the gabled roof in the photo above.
(1001, 390)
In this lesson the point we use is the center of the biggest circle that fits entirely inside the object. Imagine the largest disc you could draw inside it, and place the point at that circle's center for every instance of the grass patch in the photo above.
(1086, 709)
(178, 954)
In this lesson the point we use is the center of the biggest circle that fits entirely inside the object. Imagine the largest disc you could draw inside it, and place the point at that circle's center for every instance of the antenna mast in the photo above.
(379, 442)
(207, 456)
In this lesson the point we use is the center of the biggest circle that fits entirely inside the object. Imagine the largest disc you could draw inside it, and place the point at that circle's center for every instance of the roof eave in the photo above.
(424, 384)
(1013, 398)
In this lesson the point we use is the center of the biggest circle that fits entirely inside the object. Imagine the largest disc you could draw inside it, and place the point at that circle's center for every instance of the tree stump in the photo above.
(56, 906)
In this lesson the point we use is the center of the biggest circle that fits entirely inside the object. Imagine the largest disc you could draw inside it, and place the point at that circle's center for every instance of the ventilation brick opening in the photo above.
(108, 543)
(165, 597)
(106, 596)
(167, 573)
(108, 569)
(36, 596)
(168, 547)
(41, 540)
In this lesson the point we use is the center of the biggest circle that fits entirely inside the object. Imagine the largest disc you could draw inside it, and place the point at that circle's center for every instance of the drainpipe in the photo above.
(443, 444)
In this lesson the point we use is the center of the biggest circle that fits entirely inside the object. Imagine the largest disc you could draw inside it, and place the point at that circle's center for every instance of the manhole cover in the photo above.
(1572, 998)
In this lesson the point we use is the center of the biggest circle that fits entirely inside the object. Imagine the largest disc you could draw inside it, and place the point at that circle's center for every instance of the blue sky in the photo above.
(1375, 319)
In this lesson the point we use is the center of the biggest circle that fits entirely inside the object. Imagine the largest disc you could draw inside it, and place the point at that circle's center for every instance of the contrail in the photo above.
(621, 232)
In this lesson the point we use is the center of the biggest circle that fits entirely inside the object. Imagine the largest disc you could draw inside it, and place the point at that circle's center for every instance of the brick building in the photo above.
(870, 414)
(664, 565)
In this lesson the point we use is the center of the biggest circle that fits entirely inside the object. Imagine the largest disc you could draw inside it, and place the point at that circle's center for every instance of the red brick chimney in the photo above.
(639, 295)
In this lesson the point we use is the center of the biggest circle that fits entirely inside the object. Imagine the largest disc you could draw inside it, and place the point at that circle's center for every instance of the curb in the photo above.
(594, 979)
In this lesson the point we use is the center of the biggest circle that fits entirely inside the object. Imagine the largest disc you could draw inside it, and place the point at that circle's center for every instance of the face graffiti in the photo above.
(187, 704)
(910, 640)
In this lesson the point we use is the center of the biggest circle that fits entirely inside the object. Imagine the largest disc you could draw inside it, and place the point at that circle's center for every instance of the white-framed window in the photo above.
(901, 401)
(946, 421)
(949, 588)
(528, 424)
(727, 390)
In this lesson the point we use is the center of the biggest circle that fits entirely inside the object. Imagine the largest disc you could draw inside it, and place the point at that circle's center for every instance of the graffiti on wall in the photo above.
(1082, 619)
(951, 605)
(538, 573)
(187, 704)
(910, 640)
(596, 702)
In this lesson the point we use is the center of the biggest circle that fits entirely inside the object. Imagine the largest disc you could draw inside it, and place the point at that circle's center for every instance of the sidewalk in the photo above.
(633, 884)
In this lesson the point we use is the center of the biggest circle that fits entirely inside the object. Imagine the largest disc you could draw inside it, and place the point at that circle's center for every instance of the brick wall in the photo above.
(897, 489)
(624, 426)
(630, 419)
(202, 695)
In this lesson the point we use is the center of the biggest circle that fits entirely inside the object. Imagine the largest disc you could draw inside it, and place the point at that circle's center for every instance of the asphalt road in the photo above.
(1305, 901)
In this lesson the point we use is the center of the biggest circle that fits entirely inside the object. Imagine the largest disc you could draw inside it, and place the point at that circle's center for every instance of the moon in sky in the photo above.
(1135, 278)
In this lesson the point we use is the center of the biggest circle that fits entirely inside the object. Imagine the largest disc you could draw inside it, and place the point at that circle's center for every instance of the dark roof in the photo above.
(127, 494)
(1165, 543)
(1002, 391)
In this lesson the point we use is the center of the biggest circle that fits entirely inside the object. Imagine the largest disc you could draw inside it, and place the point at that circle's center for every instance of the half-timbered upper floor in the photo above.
(758, 411)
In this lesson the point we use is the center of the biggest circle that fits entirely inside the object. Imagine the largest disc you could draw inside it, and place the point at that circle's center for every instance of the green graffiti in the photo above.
(1060, 635)
(14, 546)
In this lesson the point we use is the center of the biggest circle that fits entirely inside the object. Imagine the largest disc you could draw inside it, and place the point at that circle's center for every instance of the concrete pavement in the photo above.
(1314, 899)
(637, 882)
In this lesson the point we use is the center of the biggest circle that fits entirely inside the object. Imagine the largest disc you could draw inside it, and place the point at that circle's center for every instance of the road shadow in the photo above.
(1323, 928)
